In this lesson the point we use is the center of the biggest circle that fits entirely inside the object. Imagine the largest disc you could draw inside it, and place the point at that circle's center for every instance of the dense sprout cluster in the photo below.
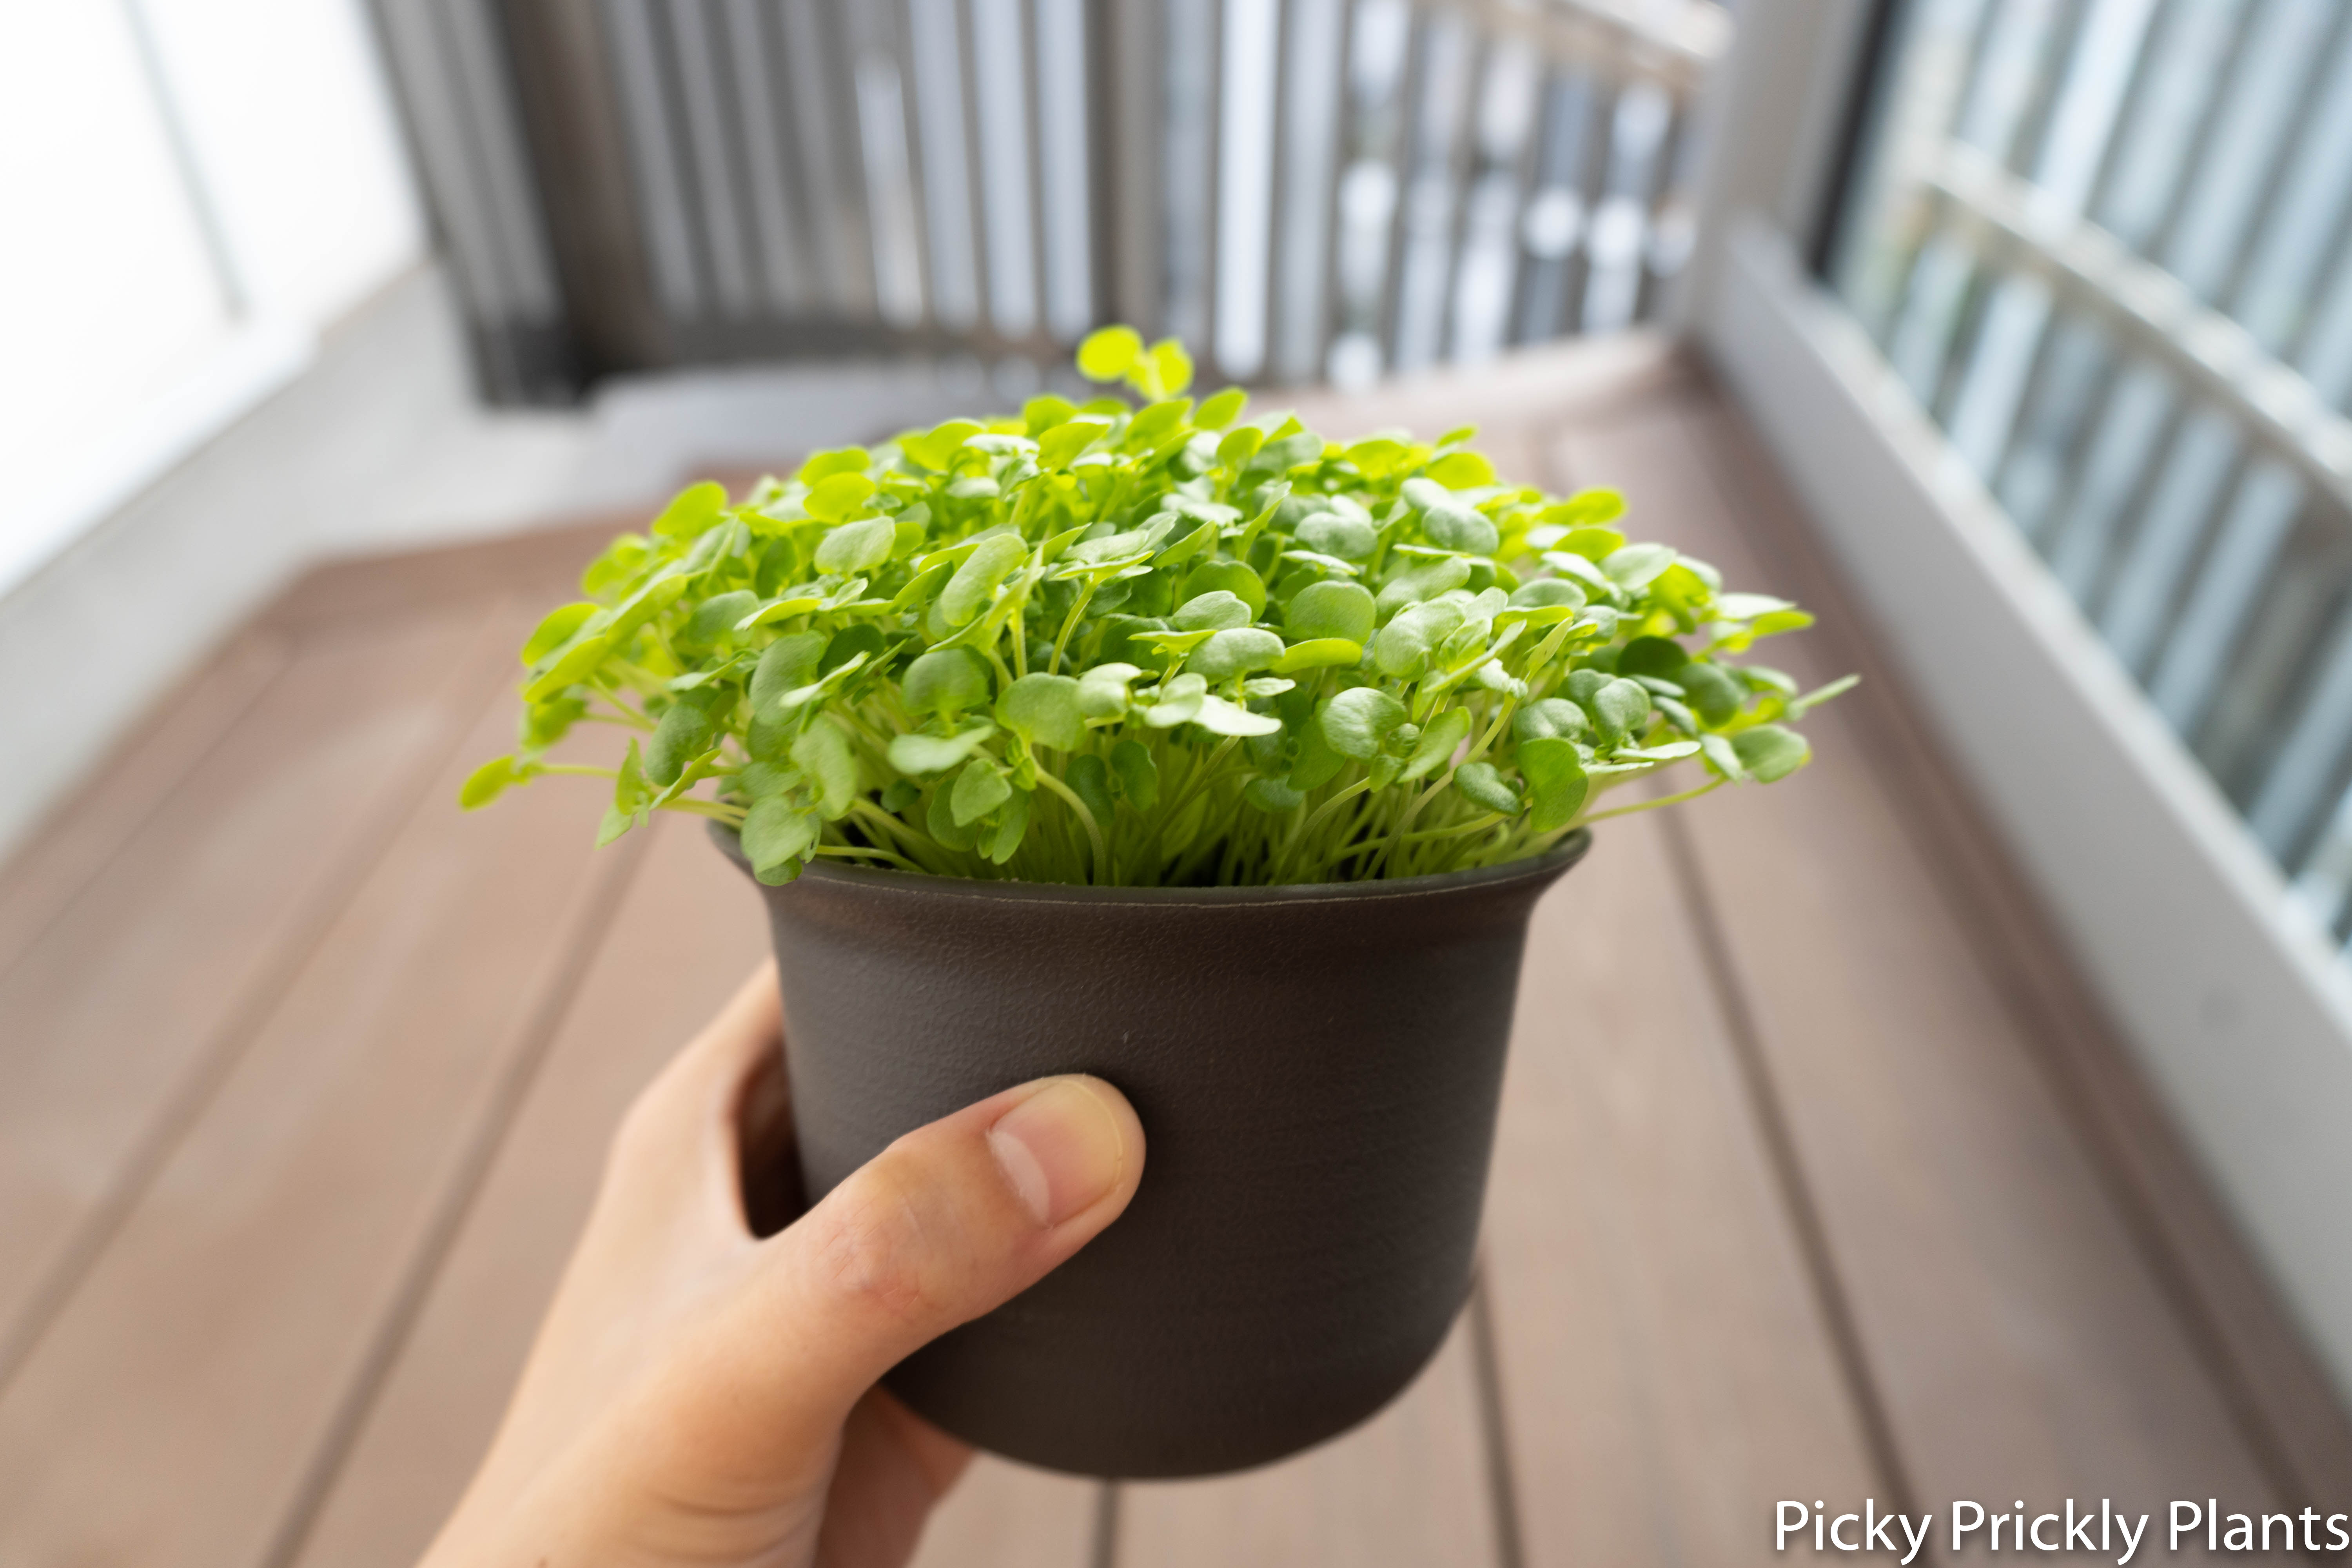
(1151, 646)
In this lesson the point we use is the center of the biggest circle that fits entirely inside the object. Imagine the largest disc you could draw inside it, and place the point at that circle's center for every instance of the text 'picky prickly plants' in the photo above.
(1151, 645)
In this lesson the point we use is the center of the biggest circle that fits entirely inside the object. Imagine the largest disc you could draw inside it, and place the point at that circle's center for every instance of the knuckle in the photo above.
(877, 1254)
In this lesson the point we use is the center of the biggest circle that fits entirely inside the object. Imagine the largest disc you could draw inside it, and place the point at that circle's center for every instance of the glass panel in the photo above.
(2103, 242)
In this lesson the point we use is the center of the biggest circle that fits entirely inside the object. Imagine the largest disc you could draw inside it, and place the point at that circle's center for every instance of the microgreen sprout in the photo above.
(1152, 645)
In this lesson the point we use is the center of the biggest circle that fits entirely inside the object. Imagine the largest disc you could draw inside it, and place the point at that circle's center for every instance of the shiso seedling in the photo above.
(1152, 645)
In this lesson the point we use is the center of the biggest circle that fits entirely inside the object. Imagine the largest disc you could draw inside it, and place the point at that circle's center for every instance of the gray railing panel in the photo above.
(1301, 189)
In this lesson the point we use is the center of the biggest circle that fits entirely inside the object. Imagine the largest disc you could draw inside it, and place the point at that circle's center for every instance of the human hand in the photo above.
(700, 1394)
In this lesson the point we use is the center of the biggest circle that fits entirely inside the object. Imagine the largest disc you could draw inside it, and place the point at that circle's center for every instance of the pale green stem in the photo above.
(623, 718)
(1094, 830)
(1475, 825)
(1494, 732)
(843, 851)
(1086, 595)
(1653, 804)
(1310, 823)
(730, 815)
(867, 811)
(1398, 834)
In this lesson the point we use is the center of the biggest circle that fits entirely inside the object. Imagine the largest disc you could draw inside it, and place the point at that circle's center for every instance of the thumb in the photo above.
(948, 1222)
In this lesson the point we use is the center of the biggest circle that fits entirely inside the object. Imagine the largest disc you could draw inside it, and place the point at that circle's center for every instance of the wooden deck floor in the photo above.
(1818, 1178)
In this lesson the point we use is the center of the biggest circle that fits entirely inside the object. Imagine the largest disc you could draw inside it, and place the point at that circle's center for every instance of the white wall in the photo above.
(379, 444)
(192, 190)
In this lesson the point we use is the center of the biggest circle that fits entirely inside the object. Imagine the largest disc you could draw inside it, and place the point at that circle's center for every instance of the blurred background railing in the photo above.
(1301, 189)
(2108, 247)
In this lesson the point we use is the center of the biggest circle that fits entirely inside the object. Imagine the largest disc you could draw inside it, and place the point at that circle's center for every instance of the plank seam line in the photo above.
(1742, 1026)
(1896, 746)
(1787, 1169)
(272, 647)
(549, 1007)
(1494, 1428)
(1102, 1551)
(311, 922)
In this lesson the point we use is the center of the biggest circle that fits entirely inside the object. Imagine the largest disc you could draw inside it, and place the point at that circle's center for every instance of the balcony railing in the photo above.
(1301, 189)
(2105, 245)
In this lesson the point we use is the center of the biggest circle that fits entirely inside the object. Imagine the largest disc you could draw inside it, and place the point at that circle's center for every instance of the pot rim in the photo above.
(1551, 863)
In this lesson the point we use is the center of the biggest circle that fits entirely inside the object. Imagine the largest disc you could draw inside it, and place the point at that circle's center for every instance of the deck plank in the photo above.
(691, 920)
(1408, 1488)
(1665, 1374)
(59, 858)
(2283, 1395)
(2023, 1346)
(1003, 1515)
(173, 1412)
(686, 919)
(1781, 1147)
(123, 1002)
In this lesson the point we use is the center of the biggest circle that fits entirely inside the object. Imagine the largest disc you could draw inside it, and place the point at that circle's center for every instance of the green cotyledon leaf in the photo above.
(1123, 638)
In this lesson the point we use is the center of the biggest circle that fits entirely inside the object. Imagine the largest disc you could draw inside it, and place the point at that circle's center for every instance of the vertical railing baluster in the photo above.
(1673, 209)
(1552, 231)
(2249, 719)
(2050, 451)
(1378, 53)
(478, 67)
(935, 44)
(2304, 201)
(1130, 121)
(894, 220)
(2149, 175)
(1019, 374)
(1001, 92)
(2295, 790)
(1315, 56)
(1620, 235)
(1279, 178)
(696, 93)
(1189, 134)
(438, 128)
(2217, 241)
(745, 54)
(1065, 150)
(2255, 530)
(1246, 79)
(1431, 189)
(1502, 116)
(822, 100)
(655, 160)
(2087, 107)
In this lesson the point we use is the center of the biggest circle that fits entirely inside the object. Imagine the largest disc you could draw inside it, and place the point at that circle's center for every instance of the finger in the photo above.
(948, 1222)
(682, 1139)
(712, 1067)
(737, 1041)
(894, 1467)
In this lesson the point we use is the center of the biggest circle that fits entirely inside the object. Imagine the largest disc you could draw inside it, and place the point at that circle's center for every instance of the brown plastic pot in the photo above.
(1317, 1068)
